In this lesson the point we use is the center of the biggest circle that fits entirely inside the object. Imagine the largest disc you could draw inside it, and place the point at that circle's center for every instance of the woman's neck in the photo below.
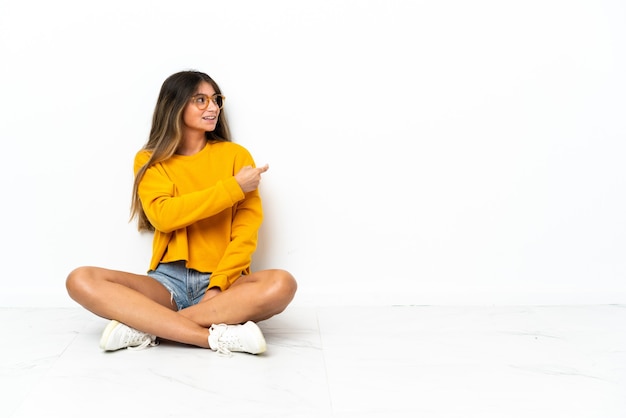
(191, 145)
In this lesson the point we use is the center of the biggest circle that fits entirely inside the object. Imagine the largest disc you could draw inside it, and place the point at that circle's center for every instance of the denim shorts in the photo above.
(187, 286)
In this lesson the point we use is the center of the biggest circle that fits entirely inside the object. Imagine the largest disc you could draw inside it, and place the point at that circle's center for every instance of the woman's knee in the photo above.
(284, 284)
(79, 281)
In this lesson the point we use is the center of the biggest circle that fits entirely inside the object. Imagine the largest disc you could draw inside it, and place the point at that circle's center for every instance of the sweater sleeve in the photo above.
(238, 255)
(168, 212)
(247, 219)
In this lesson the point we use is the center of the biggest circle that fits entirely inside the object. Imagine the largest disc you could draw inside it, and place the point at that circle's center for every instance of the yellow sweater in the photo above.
(199, 212)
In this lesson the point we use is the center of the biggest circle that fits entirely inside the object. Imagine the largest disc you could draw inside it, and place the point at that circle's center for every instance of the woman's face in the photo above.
(198, 119)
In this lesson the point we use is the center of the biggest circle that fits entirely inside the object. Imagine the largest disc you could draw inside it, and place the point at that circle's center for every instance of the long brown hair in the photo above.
(166, 132)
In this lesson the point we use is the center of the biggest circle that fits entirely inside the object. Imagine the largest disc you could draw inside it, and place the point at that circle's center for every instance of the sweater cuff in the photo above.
(234, 189)
(221, 281)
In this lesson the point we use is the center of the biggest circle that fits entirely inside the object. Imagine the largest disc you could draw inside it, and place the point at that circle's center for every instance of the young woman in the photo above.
(198, 192)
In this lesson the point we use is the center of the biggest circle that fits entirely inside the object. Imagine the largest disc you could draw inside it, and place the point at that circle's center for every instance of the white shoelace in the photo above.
(147, 343)
(224, 343)
(137, 336)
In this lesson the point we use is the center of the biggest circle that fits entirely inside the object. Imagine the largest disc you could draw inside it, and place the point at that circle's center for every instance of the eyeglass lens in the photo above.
(202, 100)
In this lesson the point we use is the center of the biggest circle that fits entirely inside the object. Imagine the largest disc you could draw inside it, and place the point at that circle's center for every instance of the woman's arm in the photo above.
(168, 211)
(238, 255)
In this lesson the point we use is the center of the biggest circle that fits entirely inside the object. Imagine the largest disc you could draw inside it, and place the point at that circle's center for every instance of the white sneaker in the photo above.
(246, 338)
(117, 335)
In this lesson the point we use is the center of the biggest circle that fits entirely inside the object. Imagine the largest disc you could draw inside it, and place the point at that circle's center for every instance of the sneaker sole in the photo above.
(261, 347)
(107, 333)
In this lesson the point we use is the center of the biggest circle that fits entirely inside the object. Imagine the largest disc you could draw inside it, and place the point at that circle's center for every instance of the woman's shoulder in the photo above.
(230, 151)
(143, 153)
(141, 157)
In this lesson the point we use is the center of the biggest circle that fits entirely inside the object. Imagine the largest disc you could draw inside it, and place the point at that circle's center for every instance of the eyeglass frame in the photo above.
(208, 99)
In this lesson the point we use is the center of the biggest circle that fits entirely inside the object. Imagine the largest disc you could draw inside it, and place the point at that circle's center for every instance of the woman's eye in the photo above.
(200, 100)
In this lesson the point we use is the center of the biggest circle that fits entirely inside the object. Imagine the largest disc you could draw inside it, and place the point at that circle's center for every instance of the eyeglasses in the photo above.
(202, 100)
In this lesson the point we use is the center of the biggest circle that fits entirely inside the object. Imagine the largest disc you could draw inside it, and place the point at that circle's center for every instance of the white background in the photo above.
(421, 152)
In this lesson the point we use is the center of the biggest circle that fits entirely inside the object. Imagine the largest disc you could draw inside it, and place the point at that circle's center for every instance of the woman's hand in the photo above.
(249, 177)
(211, 293)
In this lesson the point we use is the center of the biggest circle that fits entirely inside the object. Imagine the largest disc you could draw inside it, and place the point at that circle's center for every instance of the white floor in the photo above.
(413, 361)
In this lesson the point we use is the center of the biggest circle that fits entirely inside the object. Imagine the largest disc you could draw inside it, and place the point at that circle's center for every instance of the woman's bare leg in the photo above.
(253, 297)
(135, 300)
(144, 304)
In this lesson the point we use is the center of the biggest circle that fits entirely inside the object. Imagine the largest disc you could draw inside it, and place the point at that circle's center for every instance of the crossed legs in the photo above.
(144, 304)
